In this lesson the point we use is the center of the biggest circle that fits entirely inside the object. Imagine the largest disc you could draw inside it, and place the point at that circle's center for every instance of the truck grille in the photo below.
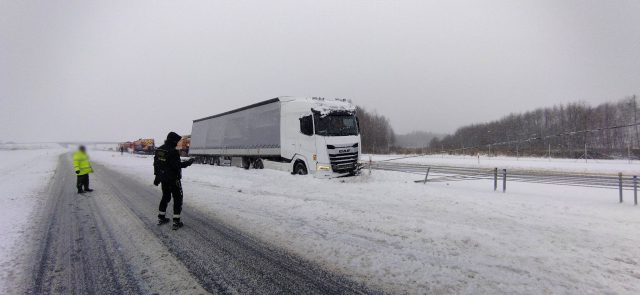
(343, 159)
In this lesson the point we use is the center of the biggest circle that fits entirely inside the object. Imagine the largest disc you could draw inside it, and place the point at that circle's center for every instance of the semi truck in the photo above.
(296, 134)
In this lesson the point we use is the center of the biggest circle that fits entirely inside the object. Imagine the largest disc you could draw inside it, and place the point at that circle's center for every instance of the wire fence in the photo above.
(500, 177)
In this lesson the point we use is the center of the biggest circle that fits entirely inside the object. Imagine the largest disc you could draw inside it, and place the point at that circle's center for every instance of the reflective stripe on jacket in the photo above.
(81, 163)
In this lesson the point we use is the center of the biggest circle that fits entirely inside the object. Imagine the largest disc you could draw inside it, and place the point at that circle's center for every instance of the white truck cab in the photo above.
(322, 133)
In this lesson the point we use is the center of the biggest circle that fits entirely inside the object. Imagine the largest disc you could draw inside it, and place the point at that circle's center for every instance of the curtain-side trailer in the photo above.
(300, 135)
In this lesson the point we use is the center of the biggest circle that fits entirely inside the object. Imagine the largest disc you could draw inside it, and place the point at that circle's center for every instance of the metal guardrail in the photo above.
(452, 173)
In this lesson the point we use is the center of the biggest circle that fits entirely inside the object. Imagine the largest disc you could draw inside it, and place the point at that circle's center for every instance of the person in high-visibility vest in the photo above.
(82, 166)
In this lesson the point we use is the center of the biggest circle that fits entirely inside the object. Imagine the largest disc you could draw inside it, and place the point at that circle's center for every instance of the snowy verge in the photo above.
(25, 173)
(527, 163)
(457, 237)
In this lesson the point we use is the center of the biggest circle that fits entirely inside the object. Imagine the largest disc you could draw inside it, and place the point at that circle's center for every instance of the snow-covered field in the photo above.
(25, 171)
(458, 237)
(541, 164)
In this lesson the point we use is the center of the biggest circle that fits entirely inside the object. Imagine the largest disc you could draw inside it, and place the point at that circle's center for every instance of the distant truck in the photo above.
(300, 135)
(125, 146)
(144, 146)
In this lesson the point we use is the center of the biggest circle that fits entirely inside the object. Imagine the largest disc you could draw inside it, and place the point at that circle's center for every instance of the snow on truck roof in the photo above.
(322, 105)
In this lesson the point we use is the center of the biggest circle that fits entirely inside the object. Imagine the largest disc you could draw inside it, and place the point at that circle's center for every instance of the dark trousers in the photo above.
(171, 189)
(83, 181)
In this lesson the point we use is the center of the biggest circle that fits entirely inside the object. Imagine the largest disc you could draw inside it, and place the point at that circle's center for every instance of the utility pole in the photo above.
(549, 153)
(635, 119)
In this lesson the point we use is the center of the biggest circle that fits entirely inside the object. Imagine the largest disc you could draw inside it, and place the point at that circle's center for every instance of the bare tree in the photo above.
(559, 127)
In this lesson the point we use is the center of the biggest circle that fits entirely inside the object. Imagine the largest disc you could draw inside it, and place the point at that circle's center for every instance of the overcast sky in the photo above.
(118, 70)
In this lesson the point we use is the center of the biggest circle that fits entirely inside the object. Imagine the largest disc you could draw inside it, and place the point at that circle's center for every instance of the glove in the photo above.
(77, 171)
(156, 182)
(191, 160)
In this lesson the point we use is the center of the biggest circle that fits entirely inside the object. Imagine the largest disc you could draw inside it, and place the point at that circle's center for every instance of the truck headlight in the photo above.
(323, 167)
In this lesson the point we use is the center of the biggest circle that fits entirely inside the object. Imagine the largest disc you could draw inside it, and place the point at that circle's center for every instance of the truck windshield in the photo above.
(336, 125)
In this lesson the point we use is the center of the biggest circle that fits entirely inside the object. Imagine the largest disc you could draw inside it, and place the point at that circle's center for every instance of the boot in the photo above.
(162, 219)
(88, 190)
(80, 191)
(177, 224)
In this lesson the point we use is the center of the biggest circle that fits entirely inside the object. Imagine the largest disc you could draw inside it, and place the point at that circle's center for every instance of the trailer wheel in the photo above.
(300, 169)
(246, 163)
(212, 160)
(216, 161)
(258, 164)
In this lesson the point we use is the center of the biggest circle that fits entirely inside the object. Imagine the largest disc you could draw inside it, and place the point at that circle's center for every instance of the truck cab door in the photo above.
(307, 143)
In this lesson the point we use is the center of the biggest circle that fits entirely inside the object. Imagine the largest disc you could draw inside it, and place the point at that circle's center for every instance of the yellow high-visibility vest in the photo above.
(81, 163)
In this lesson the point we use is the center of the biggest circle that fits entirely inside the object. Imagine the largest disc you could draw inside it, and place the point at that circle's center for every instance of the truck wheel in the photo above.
(211, 160)
(216, 161)
(300, 169)
(258, 164)
(246, 163)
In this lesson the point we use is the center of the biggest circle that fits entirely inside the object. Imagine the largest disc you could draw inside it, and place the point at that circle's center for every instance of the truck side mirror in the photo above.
(306, 125)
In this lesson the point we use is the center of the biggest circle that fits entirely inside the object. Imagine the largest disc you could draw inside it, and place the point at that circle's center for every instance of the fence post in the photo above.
(495, 179)
(370, 164)
(620, 185)
(504, 180)
(426, 175)
(635, 190)
(585, 153)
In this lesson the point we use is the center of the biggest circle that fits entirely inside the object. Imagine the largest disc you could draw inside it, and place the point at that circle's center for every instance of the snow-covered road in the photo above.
(458, 237)
(107, 242)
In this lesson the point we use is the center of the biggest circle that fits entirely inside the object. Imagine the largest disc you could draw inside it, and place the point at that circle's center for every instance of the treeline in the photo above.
(557, 130)
(376, 133)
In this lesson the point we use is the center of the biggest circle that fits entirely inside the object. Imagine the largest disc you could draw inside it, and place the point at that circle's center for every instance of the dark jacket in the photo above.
(167, 164)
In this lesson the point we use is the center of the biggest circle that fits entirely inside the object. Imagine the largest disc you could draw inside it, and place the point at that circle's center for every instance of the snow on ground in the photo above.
(25, 171)
(28, 146)
(541, 164)
(457, 237)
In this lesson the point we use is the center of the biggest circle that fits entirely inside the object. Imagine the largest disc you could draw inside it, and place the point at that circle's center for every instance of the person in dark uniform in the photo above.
(168, 172)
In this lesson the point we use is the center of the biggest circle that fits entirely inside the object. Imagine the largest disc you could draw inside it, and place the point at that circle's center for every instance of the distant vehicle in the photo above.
(300, 135)
(183, 145)
(144, 146)
(126, 146)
